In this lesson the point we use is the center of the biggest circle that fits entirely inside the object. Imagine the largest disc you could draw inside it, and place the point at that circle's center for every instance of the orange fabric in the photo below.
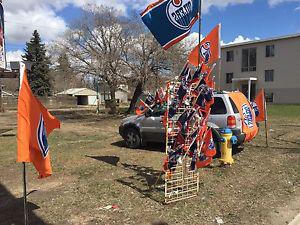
(210, 48)
(30, 112)
(142, 108)
(260, 102)
(247, 115)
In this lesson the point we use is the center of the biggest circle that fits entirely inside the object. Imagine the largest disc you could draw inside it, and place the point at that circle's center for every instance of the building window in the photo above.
(229, 77)
(269, 97)
(249, 59)
(270, 50)
(269, 75)
(229, 56)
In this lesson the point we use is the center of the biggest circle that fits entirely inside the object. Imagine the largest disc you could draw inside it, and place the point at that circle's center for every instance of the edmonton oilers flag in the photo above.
(170, 21)
(35, 123)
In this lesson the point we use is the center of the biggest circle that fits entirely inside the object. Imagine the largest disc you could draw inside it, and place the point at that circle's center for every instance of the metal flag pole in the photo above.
(199, 39)
(25, 194)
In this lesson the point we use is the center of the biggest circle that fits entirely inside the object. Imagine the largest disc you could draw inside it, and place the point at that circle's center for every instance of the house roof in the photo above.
(78, 92)
(263, 40)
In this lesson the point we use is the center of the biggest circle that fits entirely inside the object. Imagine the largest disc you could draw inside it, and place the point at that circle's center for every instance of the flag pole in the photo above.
(199, 39)
(266, 119)
(25, 194)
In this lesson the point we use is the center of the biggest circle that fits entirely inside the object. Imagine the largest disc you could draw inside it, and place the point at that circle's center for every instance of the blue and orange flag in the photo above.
(35, 123)
(209, 49)
(261, 106)
(170, 21)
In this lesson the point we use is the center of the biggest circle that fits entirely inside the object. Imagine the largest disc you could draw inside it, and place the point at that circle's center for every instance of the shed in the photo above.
(84, 96)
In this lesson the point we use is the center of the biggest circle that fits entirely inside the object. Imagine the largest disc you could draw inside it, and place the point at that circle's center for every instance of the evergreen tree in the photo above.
(38, 77)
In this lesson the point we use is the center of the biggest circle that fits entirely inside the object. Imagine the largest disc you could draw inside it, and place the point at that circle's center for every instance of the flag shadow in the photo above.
(11, 210)
(151, 146)
(146, 181)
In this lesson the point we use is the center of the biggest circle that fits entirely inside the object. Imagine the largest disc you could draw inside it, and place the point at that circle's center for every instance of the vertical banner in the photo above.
(2, 47)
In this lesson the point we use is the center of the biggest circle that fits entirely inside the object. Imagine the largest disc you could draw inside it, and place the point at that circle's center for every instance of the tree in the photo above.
(147, 61)
(35, 52)
(95, 44)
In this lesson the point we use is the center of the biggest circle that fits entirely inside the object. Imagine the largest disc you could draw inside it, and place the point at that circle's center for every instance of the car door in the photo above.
(152, 128)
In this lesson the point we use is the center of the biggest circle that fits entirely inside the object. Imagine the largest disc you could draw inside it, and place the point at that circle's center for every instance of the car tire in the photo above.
(132, 138)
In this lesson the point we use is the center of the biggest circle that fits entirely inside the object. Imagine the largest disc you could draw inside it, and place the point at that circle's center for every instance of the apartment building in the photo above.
(272, 64)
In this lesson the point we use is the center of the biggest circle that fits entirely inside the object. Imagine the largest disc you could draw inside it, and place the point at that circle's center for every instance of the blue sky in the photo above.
(241, 20)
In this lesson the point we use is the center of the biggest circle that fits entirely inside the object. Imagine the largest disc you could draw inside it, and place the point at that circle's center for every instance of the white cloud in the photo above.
(297, 9)
(22, 17)
(276, 2)
(14, 55)
(239, 39)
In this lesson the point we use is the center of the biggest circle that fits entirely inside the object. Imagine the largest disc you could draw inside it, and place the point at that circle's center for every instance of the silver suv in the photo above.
(139, 130)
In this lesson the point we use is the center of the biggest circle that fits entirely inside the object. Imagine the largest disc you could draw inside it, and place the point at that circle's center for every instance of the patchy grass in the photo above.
(284, 111)
(92, 169)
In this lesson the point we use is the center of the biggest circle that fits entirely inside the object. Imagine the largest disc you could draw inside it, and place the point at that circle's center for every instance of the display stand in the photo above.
(180, 181)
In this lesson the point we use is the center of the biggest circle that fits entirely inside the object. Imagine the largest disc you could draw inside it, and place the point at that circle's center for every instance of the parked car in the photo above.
(140, 130)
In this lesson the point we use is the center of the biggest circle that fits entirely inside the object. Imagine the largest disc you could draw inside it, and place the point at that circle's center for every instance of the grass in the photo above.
(84, 180)
(284, 111)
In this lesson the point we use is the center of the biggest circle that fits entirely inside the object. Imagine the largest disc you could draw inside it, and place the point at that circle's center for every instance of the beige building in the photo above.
(272, 64)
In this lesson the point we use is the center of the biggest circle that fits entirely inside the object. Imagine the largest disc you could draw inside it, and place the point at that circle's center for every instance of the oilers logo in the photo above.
(205, 51)
(179, 13)
(42, 137)
(211, 145)
(247, 114)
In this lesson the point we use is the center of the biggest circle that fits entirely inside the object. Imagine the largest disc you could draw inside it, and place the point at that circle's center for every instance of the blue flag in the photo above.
(170, 21)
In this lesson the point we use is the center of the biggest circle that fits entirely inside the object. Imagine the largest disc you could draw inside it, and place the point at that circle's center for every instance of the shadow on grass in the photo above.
(155, 147)
(11, 209)
(112, 160)
(146, 181)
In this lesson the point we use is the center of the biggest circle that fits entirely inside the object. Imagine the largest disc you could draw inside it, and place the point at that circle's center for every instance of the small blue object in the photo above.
(222, 140)
(226, 131)
(234, 140)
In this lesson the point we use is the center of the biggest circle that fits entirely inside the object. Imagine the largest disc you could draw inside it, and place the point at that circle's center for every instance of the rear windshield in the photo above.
(218, 107)
(235, 109)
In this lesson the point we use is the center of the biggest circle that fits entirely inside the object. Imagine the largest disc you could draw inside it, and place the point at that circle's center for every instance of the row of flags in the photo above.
(170, 21)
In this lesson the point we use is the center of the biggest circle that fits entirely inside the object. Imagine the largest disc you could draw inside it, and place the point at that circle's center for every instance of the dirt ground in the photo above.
(92, 170)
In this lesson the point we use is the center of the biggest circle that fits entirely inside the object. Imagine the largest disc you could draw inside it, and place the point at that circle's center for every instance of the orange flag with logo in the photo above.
(35, 123)
(209, 49)
(260, 103)
(249, 126)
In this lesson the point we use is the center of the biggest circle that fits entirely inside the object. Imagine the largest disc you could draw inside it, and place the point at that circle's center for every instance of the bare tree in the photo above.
(147, 61)
(94, 46)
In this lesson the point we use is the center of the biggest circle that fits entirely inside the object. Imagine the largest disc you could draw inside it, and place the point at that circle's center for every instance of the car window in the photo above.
(218, 107)
(235, 109)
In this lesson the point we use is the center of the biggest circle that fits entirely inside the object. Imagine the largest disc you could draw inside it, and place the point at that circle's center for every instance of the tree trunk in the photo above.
(113, 103)
(137, 93)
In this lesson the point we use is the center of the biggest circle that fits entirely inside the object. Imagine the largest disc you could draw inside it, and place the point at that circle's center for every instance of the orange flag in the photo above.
(209, 49)
(35, 123)
(247, 115)
(260, 103)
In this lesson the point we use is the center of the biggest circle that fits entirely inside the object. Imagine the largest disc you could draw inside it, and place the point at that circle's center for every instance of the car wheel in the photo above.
(132, 138)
